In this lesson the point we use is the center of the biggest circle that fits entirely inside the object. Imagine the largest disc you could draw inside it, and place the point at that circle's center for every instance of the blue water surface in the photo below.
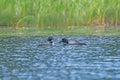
(21, 58)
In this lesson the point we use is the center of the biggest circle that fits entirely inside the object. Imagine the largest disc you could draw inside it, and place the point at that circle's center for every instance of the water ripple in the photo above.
(21, 58)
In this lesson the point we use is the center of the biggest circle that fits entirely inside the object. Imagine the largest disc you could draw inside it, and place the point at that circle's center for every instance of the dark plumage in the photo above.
(49, 43)
(65, 41)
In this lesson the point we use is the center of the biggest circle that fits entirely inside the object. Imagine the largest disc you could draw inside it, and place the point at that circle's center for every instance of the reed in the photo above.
(19, 13)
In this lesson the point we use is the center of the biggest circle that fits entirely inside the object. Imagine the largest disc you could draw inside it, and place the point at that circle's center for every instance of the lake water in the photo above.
(22, 59)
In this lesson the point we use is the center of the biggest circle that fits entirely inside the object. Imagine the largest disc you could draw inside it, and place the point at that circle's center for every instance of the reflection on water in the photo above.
(21, 58)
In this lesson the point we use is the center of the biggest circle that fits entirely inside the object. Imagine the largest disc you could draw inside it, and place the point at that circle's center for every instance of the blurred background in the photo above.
(68, 14)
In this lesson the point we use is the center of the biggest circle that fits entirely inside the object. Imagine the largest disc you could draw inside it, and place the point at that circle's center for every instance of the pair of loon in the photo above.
(63, 40)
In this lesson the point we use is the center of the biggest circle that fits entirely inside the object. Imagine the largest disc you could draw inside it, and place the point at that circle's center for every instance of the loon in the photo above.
(74, 42)
(49, 43)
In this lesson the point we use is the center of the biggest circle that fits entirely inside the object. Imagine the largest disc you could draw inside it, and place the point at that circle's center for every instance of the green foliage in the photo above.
(26, 21)
(6, 19)
(45, 31)
(58, 12)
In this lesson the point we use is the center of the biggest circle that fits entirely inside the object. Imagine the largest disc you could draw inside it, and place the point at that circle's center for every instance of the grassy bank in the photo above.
(20, 13)
(47, 31)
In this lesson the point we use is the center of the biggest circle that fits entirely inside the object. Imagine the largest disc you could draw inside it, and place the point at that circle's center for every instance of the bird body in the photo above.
(72, 42)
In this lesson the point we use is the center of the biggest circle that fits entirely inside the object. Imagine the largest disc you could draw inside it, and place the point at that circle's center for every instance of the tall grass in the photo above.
(38, 13)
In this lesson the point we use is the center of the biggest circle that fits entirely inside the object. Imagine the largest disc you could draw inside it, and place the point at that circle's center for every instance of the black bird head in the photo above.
(50, 39)
(64, 40)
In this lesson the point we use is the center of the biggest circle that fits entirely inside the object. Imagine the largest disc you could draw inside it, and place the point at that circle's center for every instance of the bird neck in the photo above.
(51, 42)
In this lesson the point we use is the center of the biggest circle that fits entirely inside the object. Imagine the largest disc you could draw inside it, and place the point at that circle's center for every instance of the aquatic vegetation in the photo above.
(59, 12)
(47, 31)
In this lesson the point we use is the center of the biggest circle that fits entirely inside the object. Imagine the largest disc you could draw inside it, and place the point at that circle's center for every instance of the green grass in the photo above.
(21, 13)
(47, 31)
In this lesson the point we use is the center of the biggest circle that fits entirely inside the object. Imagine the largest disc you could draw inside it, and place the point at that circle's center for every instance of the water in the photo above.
(22, 59)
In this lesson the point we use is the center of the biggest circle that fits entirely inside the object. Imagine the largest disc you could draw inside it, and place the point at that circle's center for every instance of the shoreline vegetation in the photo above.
(59, 17)
(59, 31)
